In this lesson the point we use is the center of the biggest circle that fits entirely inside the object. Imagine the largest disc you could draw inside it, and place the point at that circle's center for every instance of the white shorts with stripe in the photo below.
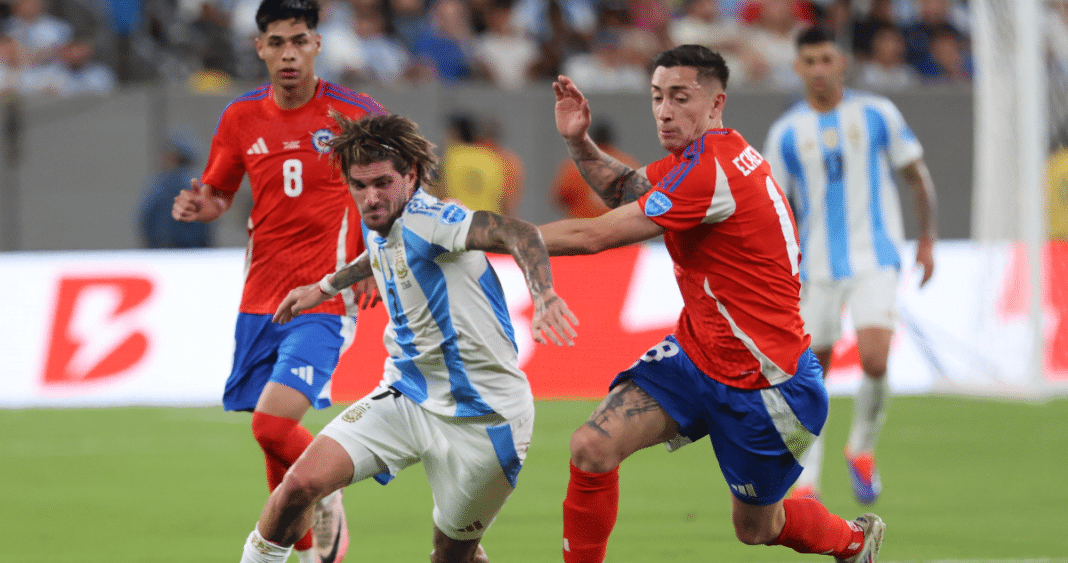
(472, 463)
(871, 298)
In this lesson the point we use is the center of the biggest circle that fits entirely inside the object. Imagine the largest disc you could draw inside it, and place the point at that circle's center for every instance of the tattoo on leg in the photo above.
(627, 400)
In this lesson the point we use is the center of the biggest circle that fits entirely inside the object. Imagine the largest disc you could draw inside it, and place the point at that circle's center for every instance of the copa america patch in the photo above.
(320, 139)
(453, 214)
(657, 204)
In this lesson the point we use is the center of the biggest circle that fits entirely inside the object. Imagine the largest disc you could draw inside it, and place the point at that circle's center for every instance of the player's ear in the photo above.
(259, 47)
(318, 42)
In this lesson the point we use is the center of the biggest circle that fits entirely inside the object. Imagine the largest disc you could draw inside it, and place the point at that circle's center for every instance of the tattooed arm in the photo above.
(614, 181)
(923, 196)
(358, 272)
(355, 271)
(491, 232)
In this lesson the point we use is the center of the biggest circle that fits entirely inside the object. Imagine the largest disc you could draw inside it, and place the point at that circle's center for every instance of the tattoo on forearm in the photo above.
(919, 179)
(358, 270)
(494, 233)
(614, 181)
(625, 401)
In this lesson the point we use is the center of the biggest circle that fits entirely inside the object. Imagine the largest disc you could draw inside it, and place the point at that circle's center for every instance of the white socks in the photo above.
(869, 413)
(259, 550)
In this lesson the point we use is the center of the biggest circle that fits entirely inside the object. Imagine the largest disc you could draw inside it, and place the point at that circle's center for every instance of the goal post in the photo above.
(1019, 99)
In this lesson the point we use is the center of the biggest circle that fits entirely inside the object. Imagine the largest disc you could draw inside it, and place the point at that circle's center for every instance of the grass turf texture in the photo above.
(963, 479)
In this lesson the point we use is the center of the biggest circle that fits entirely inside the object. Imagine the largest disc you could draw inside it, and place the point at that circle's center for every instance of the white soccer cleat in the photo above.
(330, 531)
(873, 527)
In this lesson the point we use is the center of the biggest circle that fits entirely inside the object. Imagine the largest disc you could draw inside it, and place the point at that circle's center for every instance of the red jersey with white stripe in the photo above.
(304, 223)
(733, 240)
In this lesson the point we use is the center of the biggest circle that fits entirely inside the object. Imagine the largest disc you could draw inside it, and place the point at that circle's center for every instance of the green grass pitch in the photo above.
(963, 480)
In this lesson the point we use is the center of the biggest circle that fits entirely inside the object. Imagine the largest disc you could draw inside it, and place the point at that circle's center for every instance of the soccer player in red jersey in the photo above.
(303, 222)
(738, 367)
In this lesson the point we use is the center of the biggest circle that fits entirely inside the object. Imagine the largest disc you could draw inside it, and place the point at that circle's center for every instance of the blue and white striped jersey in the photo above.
(836, 168)
(450, 340)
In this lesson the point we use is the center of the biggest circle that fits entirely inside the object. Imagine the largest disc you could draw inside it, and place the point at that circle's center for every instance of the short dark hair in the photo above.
(270, 11)
(814, 36)
(709, 64)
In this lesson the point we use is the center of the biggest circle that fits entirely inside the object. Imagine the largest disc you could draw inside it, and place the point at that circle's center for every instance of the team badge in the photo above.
(657, 204)
(830, 138)
(453, 214)
(854, 136)
(320, 139)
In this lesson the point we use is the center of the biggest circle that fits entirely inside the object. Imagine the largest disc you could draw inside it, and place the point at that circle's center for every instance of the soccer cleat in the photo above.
(864, 476)
(806, 491)
(873, 528)
(330, 532)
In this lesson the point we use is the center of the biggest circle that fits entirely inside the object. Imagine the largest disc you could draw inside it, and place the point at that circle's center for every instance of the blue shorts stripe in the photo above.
(504, 445)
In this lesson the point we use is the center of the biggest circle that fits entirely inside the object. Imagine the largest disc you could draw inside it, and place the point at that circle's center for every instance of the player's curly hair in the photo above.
(389, 137)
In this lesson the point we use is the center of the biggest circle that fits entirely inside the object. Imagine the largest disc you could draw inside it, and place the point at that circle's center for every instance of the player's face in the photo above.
(289, 49)
(822, 69)
(684, 107)
(380, 193)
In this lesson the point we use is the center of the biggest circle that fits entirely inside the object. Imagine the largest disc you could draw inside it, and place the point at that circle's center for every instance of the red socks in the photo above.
(589, 514)
(282, 441)
(810, 528)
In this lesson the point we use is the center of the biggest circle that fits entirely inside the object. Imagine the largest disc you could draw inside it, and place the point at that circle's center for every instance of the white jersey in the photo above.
(836, 168)
(450, 340)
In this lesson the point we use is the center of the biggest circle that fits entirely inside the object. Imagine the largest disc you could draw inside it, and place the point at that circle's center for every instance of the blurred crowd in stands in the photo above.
(73, 46)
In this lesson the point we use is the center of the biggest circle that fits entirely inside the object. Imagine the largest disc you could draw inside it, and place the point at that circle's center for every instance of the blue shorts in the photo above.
(757, 434)
(301, 354)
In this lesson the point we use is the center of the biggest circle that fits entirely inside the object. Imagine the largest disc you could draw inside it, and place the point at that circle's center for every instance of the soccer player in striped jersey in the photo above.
(738, 368)
(833, 153)
(452, 396)
(302, 222)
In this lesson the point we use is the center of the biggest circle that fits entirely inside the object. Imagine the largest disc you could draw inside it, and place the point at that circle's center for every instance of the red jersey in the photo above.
(733, 240)
(304, 223)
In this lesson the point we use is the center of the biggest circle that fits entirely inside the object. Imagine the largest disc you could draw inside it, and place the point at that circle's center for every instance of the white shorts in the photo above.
(472, 463)
(871, 298)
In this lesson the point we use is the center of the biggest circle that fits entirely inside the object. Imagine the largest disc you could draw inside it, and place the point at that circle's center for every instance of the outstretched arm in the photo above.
(923, 195)
(619, 227)
(312, 295)
(614, 181)
(491, 232)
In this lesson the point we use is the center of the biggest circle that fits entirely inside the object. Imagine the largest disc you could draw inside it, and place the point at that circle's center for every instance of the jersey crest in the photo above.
(321, 140)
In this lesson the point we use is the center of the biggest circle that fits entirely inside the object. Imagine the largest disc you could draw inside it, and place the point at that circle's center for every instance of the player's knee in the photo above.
(753, 534)
(874, 365)
(301, 487)
(447, 550)
(589, 452)
(267, 433)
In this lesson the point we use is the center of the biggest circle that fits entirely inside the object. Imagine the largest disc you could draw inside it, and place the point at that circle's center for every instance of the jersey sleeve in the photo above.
(444, 225)
(684, 196)
(902, 145)
(225, 167)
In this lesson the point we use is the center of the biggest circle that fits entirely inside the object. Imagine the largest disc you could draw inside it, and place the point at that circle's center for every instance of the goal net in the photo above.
(1020, 199)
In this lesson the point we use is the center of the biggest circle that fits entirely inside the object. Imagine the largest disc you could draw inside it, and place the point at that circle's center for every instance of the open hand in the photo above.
(552, 318)
(572, 109)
